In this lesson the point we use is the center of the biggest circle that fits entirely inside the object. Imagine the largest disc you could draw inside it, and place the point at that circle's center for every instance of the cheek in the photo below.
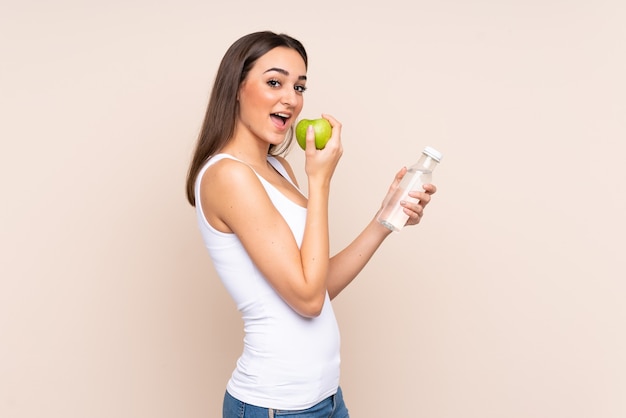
(253, 99)
(248, 103)
(299, 106)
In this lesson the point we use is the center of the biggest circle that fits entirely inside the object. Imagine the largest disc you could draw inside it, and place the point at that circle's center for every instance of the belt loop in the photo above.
(270, 413)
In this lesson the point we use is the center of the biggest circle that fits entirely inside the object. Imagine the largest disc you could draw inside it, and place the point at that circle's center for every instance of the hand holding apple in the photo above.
(321, 127)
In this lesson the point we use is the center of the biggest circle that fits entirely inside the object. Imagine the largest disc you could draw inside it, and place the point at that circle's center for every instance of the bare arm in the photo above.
(346, 265)
(298, 275)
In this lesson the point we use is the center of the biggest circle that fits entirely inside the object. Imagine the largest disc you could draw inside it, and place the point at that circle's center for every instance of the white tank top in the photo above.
(288, 361)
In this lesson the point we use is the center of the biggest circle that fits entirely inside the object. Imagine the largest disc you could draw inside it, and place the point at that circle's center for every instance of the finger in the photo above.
(430, 188)
(398, 178)
(415, 214)
(310, 139)
(336, 125)
(335, 137)
(422, 197)
(413, 208)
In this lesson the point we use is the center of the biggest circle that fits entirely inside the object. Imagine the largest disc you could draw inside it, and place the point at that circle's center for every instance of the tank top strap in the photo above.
(270, 159)
(280, 168)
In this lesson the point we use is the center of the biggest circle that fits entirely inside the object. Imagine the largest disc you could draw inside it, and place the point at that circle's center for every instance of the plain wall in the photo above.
(508, 299)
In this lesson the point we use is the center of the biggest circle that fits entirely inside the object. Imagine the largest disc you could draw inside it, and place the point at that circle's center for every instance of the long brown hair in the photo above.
(219, 121)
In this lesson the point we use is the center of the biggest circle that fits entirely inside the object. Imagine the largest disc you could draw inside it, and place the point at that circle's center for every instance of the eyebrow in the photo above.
(284, 72)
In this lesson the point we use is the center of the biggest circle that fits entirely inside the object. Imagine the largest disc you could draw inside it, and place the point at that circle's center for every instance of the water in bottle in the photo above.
(392, 215)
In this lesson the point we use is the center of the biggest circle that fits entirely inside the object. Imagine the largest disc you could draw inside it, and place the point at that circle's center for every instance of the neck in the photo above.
(247, 147)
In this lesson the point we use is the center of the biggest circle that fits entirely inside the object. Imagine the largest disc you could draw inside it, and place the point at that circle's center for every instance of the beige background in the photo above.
(506, 302)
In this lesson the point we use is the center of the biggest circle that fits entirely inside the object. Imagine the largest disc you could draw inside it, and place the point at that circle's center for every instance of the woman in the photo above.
(268, 242)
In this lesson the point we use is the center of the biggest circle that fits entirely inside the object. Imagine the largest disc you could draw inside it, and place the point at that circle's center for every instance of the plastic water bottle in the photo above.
(392, 215)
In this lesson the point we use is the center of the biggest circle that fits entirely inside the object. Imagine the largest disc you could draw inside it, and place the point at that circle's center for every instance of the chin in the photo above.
(278, 140)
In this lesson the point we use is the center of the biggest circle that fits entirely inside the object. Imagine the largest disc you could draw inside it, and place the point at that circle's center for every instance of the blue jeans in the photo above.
(331, 407)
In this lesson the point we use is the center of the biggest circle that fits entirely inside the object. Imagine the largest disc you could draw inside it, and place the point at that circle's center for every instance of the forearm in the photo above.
(315, 248)
(347, 264)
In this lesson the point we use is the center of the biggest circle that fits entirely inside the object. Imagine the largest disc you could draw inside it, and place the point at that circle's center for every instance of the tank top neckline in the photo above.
(277, 166)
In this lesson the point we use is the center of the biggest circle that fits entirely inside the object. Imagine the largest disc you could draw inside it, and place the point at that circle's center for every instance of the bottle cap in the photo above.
(433, 153)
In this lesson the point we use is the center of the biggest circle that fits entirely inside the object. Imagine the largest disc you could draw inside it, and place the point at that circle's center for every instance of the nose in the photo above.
(289, 97)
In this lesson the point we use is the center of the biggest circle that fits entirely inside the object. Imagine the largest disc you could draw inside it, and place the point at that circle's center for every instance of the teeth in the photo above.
(282, 115)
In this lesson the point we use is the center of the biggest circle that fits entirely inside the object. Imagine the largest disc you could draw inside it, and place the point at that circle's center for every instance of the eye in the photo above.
(273, 83)
(300, 89)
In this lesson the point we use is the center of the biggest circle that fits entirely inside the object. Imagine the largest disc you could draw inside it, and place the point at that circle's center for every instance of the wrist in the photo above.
(319, 185)
(378, 228)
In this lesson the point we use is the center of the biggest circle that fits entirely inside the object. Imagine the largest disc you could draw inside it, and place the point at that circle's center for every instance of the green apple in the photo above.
(322, 130)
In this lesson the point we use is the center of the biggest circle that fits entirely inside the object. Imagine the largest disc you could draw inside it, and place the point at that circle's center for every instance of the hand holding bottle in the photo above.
(417, 209)
(410, 192)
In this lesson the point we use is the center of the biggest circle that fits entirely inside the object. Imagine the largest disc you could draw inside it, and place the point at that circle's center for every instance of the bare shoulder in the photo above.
(225, 185)
(287, 166)
(227, 173)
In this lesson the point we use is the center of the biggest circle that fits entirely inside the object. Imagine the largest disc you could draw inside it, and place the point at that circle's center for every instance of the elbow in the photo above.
(313, 308)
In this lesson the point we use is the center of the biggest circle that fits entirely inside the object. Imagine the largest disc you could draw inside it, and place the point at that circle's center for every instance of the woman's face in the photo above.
(270, 98)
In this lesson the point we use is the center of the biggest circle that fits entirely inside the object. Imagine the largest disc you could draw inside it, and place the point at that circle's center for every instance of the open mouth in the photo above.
(281, 118)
